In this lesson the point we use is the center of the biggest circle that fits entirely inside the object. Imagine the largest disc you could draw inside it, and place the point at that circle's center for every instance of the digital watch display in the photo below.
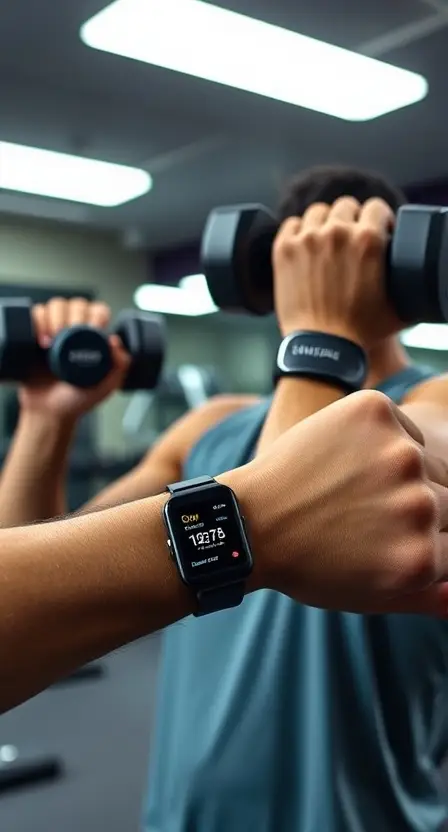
(208, 541)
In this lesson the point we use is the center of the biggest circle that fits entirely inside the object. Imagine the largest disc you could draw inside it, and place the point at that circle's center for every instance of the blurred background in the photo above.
(203, 144)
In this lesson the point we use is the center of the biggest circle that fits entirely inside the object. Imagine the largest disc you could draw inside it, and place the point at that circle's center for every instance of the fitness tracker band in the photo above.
(208, 543)
(323, 357)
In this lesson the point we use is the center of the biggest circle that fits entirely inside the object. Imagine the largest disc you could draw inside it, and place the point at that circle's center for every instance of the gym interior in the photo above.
(76, 756)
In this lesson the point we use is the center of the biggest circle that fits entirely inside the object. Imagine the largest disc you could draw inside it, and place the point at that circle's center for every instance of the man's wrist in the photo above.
(321, 393)
(337, 328)
(134, 534)
(45, 421)
(249, 498)
(178, 594)
(330, 359)
(46, 436)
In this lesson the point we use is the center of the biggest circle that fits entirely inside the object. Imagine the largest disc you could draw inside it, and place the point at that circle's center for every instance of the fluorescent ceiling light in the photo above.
(426, 337)
(191, 298)
(197, 284)
(31, 170)
(199, 39)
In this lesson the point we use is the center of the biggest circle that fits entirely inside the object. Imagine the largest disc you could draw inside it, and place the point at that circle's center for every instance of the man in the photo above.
(304, 719)
(72, 590)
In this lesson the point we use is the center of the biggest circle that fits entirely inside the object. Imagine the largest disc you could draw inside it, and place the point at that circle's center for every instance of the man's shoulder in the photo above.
(225, 410)
(227, 403)
(221, 408)
(431, 389)
(226, 438)
(179, 440)
(403, 385)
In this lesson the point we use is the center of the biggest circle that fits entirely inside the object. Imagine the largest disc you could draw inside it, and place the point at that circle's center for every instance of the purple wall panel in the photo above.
(433, 192)
(168, 267)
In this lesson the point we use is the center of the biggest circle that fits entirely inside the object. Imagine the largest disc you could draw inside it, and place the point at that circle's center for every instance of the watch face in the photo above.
(207, 536)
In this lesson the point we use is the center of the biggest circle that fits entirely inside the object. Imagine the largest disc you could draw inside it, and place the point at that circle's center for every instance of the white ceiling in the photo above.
(206, 144)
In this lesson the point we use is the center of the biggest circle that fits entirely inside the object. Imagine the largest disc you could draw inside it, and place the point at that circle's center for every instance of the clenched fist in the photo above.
(329, 271)
(348, 509)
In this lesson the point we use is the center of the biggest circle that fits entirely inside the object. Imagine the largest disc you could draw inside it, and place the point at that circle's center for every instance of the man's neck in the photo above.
(385, 360)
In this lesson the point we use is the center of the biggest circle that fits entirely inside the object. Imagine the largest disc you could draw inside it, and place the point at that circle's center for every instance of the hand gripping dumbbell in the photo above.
(236, 260)
(80, 355)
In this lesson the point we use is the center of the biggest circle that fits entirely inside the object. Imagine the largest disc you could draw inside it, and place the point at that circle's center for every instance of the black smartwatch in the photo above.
(329, 358)
(208, 542)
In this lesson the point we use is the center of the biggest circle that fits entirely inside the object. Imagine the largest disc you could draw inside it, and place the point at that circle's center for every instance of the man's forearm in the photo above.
(294, 400)
(73, 590)
(32, 485)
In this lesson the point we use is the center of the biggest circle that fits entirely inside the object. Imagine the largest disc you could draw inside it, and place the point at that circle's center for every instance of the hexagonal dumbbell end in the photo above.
(417, 268)
(18, 347)
(236, 258)
(144, 337)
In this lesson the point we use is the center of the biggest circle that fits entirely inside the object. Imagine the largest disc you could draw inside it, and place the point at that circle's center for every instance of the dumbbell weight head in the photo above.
(80, 356)
(143, 336)
(417, 265)
(236, 258)
(18, 348)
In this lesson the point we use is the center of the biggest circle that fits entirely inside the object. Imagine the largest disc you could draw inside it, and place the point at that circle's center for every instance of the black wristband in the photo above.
(188, 485)
(323, 357)
(221, 598)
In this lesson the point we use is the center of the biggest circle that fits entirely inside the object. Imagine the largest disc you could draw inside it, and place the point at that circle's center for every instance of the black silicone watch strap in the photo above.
(215, 598)
(322, 357)
(221, 598)
(188, 485)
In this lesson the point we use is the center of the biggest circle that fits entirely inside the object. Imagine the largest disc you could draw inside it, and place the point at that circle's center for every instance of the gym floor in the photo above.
(101, 729)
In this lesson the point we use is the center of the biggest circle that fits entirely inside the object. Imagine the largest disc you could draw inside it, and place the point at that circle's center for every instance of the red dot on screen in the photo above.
(235, 554)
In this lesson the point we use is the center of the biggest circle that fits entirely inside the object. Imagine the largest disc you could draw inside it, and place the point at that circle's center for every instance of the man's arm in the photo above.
(427, 406)
(32, 486)
(297, 398)
(294, 400)
(75, 589)
(164, 462)
(343, 513)
(328, 279)
(33, 480)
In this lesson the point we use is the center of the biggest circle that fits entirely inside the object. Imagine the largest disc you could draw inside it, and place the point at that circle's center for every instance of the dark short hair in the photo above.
(328, 183)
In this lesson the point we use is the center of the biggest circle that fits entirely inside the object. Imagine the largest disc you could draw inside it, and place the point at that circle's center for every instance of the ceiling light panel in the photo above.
(205, 41)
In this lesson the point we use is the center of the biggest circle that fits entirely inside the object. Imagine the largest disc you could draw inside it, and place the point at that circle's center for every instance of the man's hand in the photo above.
(33, 478)
(346, 510)
(54, 398)
(329, 271)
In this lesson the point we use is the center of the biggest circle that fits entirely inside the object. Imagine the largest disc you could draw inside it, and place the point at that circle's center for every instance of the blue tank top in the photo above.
(277, 717)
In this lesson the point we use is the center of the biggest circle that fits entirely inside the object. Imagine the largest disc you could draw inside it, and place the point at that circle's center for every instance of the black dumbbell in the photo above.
(236, 260)
(80, 355)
